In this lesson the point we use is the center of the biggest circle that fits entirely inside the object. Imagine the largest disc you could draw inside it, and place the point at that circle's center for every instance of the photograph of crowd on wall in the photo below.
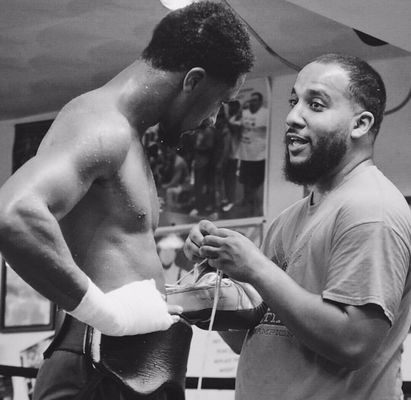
(215, 172)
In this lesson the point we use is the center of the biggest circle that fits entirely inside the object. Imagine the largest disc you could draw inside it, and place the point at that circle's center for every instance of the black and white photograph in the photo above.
(205, 200)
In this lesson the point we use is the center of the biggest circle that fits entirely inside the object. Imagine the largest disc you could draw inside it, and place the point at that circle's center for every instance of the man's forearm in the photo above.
(340, 334)
(32, 243)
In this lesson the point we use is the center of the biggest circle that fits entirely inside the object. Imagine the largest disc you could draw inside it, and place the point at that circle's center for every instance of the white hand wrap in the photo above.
(132, 309)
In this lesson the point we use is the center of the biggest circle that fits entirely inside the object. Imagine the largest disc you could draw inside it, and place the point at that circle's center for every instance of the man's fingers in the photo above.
(194, 242)
(191, 249)
(209, 252)
(206, 227)
(224, 232)
(196, 237)
(211, 240)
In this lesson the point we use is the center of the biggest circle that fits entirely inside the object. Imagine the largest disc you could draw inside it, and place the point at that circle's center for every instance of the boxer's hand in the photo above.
(195, 238)
(140, 308)
(135, 308)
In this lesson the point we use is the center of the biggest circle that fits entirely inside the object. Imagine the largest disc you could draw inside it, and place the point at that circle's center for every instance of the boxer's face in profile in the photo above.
(319, 123)
(196, 108)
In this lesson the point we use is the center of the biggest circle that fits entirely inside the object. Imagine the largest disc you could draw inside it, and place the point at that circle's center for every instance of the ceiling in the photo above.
(53, 50)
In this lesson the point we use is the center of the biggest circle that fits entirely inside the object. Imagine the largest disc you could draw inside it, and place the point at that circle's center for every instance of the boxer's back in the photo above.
(110, 231)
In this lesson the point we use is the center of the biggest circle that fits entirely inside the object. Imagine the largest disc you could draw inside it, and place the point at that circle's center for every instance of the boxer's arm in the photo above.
(36, 197)
(39, 194)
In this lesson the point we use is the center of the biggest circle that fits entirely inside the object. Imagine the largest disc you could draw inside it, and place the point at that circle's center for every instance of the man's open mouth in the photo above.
(296, 140)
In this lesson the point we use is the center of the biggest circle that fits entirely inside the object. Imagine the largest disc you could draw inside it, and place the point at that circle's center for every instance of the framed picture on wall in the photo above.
(216, 172)
(22, 308)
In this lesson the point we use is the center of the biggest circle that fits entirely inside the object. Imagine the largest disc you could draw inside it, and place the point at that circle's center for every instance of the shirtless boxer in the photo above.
(77, 221)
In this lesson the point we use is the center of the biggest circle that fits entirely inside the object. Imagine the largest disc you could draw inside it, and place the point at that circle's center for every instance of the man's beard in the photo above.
(325, 157)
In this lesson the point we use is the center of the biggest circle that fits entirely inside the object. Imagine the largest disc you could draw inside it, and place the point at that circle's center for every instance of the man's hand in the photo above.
(195, 238)
(225, 249)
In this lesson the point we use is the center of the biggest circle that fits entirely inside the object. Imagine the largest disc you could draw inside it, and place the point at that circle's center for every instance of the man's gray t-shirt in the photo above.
(353, 248)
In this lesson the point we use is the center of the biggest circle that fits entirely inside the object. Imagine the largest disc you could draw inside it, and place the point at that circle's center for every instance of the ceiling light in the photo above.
(175, 4)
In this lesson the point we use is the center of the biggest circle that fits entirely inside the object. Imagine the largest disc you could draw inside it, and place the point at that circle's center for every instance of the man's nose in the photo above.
(295, 117)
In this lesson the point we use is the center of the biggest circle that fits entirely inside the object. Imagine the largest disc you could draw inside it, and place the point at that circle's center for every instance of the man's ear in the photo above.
(362, 124)
(193, 78)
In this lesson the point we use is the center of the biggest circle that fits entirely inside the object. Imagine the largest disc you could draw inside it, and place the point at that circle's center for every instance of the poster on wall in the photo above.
(210, 356)
(22, 308)
(215, 173)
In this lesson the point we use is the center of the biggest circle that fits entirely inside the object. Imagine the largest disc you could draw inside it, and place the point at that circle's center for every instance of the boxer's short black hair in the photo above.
(204, 34)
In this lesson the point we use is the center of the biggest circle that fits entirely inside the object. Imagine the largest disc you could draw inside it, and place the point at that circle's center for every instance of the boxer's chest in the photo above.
(132, 192)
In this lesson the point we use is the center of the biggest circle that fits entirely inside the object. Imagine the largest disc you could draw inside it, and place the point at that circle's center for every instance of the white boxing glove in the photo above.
(135, 308)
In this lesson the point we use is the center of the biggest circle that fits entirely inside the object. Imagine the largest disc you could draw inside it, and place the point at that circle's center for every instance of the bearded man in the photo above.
(334, 267)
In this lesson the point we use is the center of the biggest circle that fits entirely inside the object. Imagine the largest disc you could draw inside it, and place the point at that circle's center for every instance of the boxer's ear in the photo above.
(193, 78)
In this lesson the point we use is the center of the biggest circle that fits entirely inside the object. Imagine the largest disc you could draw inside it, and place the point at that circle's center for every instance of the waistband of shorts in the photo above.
(70, 337)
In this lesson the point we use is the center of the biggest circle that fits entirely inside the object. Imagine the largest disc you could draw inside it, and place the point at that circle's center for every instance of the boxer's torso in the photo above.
(110, 231)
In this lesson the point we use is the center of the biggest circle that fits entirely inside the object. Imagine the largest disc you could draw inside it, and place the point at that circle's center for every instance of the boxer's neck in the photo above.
(144, 92)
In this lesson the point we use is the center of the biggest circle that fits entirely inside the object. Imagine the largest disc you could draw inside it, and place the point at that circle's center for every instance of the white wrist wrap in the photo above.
(132, 309)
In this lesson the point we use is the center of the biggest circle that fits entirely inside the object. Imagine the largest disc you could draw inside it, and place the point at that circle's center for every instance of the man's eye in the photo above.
(316, 106)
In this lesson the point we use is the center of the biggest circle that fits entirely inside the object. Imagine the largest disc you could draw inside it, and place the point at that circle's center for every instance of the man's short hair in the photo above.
(204, 34)
(366, 85)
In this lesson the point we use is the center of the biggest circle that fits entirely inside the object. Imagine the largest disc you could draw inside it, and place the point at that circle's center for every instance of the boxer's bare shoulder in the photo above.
(87, 127)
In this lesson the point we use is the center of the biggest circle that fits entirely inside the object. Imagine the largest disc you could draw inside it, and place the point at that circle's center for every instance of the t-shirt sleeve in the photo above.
(368, 264)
